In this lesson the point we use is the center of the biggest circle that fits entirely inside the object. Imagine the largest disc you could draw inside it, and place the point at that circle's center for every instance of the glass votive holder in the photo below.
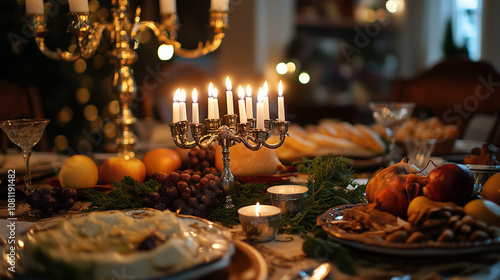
(420, 151)
(291, 199)
(260, 223)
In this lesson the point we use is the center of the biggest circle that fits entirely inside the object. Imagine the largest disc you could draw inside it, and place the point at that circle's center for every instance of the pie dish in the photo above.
(330, 219)
(142, 243)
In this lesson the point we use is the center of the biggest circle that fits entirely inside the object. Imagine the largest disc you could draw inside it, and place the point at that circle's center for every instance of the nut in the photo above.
(433, 223)
(399, 236)
(446, 236)
(417, 237)
(479, 235)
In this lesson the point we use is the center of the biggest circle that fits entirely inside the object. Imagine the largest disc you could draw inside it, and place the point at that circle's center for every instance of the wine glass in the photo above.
(391, 115)
(25, 133)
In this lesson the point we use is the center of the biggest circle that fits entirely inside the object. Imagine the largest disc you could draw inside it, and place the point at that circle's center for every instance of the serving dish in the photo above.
(428, 250)
(212, 249)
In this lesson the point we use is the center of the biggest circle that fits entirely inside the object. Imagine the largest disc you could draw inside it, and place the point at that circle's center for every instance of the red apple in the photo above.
(450, 183)
(116, 168)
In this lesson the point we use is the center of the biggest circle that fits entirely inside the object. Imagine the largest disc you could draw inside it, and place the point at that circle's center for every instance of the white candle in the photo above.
(210, 101)
(34, 7)
(78, 6)
(281, 103)
(249, 104)
(216, 104)
(265, 90)
(260, 110)
(241, 105)
(182, 106)
(175, 106)
(229, 97)
(258, 210)
(196, 112)
(219, 5)
(167, 6)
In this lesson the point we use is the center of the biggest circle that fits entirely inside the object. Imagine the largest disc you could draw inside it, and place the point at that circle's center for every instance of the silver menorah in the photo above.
(227, 132)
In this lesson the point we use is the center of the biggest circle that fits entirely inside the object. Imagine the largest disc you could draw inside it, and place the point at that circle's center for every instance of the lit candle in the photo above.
(229, 97)
(175, 106)
(249, 103)
(219, 5)
(260, 222)
(195, 111)
(78, 6)
(182, 106)
(281, 103)
(241, 105)
(260, 110)
(210, 101)
(34, 7)
(266, 101)
(167, 6)
(216, 104)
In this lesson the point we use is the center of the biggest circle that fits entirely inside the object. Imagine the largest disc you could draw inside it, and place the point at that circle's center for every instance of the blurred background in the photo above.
(333, 56)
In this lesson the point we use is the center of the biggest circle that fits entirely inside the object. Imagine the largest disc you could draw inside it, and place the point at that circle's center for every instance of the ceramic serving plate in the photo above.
(407, 250)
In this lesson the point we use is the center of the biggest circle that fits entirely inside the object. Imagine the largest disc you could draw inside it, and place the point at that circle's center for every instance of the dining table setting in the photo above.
(333, 200)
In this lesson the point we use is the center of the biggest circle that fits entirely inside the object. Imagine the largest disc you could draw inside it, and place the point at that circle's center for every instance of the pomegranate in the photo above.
(450, 182)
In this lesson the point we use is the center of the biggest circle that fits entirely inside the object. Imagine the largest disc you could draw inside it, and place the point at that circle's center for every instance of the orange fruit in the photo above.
(491, 189)
(116, 168)
(161, 160)
(78, 171)
(484, 210)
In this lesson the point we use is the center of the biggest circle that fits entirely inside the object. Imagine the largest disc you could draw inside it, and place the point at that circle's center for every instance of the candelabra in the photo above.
(122, 33)
(227, 133)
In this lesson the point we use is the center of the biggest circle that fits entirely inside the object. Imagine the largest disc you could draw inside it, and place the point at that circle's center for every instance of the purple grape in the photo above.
(68, 193)
(172, 192)
(203, 183)
(192, 202)
(159, 177)
(209, 176)
(207, 200)
(185, 177)
(209, 193)
(186, 194)
(68, 203)
(154, 197)
(161, 207)
(195, 179)
(181, 186)
(174, 178)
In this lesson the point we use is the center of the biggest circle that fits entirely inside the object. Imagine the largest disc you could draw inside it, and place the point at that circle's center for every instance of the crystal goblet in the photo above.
(25, 133)
(391, 115)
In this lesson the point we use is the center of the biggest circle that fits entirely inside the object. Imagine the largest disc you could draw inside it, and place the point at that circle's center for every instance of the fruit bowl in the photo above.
(482, 173)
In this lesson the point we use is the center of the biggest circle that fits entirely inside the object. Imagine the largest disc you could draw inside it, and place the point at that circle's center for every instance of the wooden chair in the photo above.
(455, 91)
(17, 103)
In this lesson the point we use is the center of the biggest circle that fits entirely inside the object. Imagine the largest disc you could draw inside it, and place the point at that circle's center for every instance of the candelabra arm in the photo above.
(58, 54)
(162, 34)
(183, 144)
(206, 140)
(277, 144)
(253, 147)
(202, 49)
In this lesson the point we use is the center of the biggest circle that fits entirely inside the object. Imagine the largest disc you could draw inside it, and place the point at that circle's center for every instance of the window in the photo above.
(467, 26)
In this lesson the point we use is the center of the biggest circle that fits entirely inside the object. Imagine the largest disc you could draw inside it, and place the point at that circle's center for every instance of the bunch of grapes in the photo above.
(193, 192)
(51, 200)
(199, 159)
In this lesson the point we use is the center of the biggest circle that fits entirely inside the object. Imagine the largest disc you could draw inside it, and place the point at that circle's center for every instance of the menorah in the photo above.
(227, 133)
(122, 32)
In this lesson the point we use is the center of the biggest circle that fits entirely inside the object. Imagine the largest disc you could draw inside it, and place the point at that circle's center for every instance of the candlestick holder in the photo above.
(227, 133)
(122, 32)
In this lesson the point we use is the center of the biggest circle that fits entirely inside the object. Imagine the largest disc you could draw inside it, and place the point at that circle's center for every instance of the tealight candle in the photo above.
(195, 110)
(265, 90)
(249, 105)
(175, 106)
(210, 101)
(78, 6)
(260, 222)
(281, 103)
(182, 106)
(168, 6)
(34, 7)
(229, 97)
(241, 105)
(260, 110)
(291, 199)
(216, 104)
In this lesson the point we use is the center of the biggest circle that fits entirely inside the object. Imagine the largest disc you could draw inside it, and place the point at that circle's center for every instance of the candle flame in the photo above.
(228, 84)
(265, 88)
(249, 91)
(182, 97)
(241, 92)
(177, 95)
(215, 93)
(210, 90)
(260, 95)
(195, 96)
(280, 89)
(257, 210)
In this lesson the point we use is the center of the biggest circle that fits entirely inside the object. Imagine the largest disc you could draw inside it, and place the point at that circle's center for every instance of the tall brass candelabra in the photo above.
(227, 133)
(122, 33)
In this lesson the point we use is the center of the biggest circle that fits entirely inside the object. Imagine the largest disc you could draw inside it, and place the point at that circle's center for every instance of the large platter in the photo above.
(405, 250)
(214, 257)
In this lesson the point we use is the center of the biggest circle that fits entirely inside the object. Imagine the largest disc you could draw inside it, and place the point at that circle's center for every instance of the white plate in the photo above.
(404, 250)
(214, 259)
(41, 163)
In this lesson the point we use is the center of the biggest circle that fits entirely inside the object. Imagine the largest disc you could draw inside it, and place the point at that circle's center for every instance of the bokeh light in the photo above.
(291, 67)
(82, 95)
(61, 142)
(281, 68)
(90, 113)
(391, 6)
(114, 107)
(64, 116)
(109, 130)
(165, 52)
(304, 78)
(80, 66)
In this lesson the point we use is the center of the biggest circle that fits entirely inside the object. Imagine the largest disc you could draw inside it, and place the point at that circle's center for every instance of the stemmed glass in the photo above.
(391, 115)
(25, 133)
